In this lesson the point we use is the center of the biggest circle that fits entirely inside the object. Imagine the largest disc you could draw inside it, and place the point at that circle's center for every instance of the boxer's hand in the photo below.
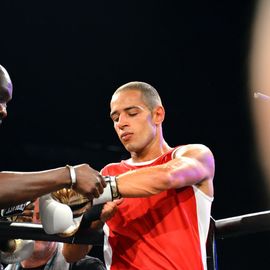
(109, 209)
(89, 181)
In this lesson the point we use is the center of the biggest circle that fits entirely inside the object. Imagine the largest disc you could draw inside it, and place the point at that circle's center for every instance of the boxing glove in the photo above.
(61, 212)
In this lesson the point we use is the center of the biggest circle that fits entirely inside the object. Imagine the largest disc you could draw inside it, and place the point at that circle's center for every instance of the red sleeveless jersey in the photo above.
(158, 232)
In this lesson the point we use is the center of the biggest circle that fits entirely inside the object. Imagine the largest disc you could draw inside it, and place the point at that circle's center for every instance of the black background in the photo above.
(66, 58)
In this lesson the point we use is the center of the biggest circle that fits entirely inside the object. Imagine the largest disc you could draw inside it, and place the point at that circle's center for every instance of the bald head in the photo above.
(5, 92)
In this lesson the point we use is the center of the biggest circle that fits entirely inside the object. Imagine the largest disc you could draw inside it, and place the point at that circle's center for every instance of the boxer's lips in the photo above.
(126, 136)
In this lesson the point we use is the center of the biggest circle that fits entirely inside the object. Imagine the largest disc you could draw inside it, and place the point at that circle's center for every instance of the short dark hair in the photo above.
(149, 94)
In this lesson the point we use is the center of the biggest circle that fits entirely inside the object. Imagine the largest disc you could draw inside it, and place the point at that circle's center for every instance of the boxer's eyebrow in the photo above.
(126, 110)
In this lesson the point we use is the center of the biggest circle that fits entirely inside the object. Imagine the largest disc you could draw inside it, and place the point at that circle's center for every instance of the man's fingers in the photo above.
(102, 181)
(100, 184)
(96, 192)
(89, 181)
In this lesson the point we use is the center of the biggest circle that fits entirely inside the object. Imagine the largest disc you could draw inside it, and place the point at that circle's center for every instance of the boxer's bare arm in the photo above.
(18, 187)
(195, 166)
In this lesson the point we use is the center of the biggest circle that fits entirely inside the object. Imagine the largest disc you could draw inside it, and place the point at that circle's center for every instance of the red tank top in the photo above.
(157, 232)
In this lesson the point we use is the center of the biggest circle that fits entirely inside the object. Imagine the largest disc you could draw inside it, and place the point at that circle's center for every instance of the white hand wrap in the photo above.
(110, 192)
(106, 196)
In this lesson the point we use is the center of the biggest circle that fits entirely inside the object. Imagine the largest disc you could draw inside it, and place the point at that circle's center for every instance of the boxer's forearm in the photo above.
(18, 187)
(177, 173)
(143, 182)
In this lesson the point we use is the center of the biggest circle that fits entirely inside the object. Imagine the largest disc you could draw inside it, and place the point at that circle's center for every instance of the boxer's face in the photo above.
(5, 95)
(133, 121)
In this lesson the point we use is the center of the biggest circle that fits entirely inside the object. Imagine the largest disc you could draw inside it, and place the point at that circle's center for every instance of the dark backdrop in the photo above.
(67, 57)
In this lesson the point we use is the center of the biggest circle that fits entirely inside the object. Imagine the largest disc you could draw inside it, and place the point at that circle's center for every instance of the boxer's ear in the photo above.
(158, 115)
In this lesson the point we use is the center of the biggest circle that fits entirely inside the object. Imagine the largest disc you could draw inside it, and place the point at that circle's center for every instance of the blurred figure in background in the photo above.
(259, 74)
